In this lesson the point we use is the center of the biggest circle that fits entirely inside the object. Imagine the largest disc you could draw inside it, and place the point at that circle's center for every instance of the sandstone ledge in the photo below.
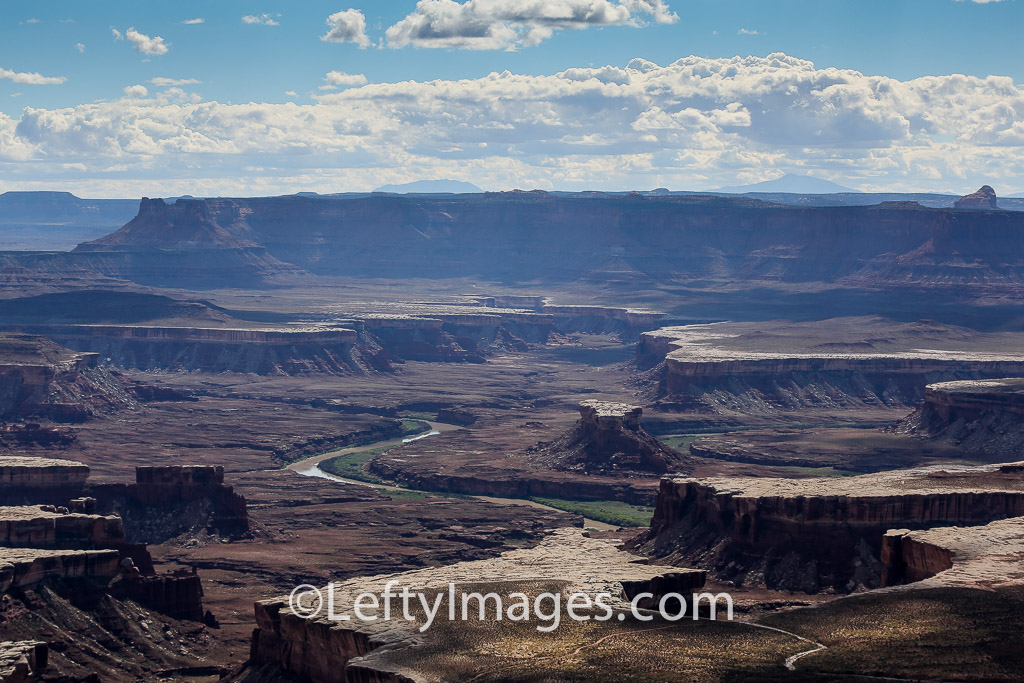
(819, 534)
(38, 526)
(28, 567)
(338, 651)
(988, 556)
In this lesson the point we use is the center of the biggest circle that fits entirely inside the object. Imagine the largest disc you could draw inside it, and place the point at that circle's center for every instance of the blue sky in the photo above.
(108, 116)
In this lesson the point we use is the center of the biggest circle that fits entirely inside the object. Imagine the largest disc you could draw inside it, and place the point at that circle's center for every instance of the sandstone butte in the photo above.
(982, 198)
(608, 439)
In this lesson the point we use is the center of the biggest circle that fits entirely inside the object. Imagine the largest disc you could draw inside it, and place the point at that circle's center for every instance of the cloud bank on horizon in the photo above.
(695, 123)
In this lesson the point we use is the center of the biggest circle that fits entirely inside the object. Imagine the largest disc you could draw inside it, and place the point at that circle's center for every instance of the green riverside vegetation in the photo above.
(612, 512)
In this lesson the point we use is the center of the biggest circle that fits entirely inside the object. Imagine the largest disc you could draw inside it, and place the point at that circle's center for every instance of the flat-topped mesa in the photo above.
(40, 480)
(608, 439)
(786, 366)
(508, 237)
(982, 198)
(984, 417)
(184, 475)
(198, 334)
(67, 546)
(256, 350)
(818, 534)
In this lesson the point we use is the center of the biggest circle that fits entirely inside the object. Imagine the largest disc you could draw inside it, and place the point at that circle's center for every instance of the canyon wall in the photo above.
(497, 235)
(703, 367)
(41, 379)
(817, 534)
(985, 418)
(977, 557)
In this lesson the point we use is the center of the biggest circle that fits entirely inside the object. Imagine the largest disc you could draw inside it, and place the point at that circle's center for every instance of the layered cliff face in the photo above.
(39, 378)
(818, 535)
(771, 366)
(608, 439)
(509, 237)
(972, 557)
(150, 332)
(40, 480)
(985, 418)
(83, 575)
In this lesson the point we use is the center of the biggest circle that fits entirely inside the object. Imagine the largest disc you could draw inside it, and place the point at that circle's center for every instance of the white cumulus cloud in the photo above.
(147, 45)
(163, 81)
(191, 22)
(692, 124)
(347, 26)
(507, 24)
(334, 79)
(30, 78)
(136, 91)
(264, 19)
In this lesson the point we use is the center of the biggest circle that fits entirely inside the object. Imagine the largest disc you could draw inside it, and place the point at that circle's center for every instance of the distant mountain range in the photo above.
(432, 187)
(791, 182)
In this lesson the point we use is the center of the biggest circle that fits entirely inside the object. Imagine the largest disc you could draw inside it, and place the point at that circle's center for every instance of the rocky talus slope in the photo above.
(41, 379)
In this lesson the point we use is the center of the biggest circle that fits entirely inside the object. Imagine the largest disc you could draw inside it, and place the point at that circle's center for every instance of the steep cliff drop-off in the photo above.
(40, 379)
(988, 556)
(762, 368)
(608, 439)
(395, 651)
(818, 535)
(152, 332)
(75, 572)
(537, 237)
(984, 418)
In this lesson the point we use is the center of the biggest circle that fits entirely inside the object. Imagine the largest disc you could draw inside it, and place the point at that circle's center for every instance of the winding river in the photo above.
(310, 467)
